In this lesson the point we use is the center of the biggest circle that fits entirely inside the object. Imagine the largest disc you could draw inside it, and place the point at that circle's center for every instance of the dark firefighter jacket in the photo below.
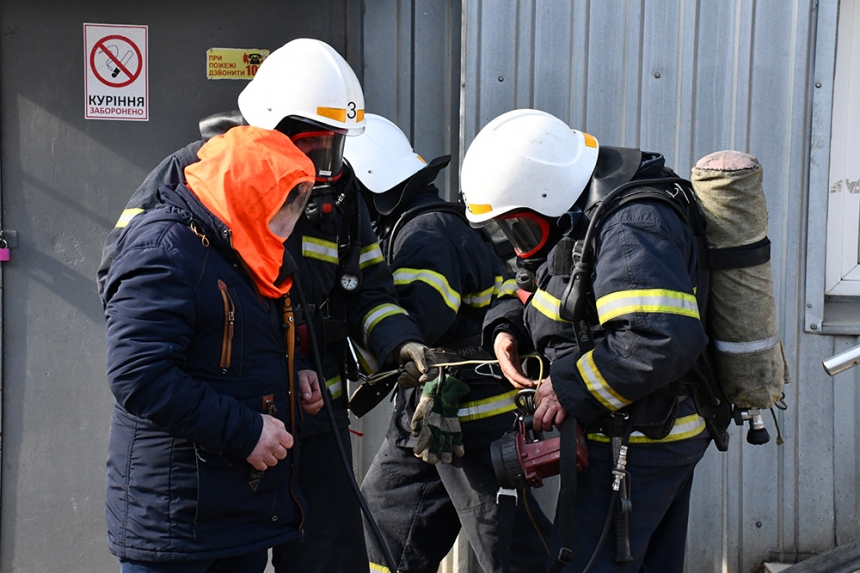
(446, 277)
(649, 333)
(372, 314)
(189, 395)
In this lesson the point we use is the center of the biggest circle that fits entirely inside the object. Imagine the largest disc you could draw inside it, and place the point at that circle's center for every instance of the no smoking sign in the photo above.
(117, 83)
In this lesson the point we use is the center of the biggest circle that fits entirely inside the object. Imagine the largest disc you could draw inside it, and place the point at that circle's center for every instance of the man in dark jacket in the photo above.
(199, 472)
(422, 491)
(623, 370)
(334, 247)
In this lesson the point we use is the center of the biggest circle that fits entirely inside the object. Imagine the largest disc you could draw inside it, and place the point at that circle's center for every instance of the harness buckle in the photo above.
(507, 492)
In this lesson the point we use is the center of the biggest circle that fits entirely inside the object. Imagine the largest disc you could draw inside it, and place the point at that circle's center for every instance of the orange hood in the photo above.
(243, 177)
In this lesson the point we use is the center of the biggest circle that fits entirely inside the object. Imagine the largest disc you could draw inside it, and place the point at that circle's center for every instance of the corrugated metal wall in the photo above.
(688, 78)
(411, 55)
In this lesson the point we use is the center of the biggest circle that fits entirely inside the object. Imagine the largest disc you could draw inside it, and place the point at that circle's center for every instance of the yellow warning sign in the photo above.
(233, 63)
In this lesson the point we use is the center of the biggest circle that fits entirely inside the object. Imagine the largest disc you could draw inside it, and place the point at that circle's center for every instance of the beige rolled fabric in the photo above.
(749, 360)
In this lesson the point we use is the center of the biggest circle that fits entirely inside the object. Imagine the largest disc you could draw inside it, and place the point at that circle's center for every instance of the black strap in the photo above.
(566, 496)
(750, 255)
(507, 501)
(409, 214)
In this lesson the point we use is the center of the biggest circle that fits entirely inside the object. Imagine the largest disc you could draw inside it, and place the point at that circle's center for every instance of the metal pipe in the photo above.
(842, 361)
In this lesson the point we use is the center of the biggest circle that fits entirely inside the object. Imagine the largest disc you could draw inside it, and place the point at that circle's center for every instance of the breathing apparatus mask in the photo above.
(529, 233)
(324, 147)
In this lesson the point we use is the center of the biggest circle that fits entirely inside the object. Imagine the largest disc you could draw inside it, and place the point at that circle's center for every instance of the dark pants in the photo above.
(334, 539)
(420, 508)
(249, 563)
(660, 496)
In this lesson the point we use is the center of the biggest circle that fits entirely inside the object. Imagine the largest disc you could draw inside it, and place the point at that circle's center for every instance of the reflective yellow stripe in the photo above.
(480, 299)
(485, 297)
(508, 288)
(370, 255)
(651, 300)
(377, 567)
(597, 385)
(314, 248)
(684, 428)
(436, 280)
(126, 217)
(366, 360)
(377, 314)
(547, 305)
(335, 386)
(488, 407)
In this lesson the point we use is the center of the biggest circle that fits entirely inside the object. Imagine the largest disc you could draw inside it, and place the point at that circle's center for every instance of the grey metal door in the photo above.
(65, 181)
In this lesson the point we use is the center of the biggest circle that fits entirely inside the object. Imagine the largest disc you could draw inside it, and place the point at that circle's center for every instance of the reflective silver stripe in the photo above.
(746, 347)
(480, 299)
(488, 407)
(508, 288)
(315, 248)
(485, 297)
(370, 255)
(650, 300)
(684, 428)
(436, 280)
(335, 386)
(597, 385)
(547, 305)
(127, 216)
(377, 314)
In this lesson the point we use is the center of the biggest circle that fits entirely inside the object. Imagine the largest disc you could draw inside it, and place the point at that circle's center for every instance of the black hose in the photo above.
(347, 466)
(603, 534)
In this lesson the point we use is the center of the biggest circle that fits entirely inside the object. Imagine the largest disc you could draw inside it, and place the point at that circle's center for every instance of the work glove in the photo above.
(415, 361)
(435, 422)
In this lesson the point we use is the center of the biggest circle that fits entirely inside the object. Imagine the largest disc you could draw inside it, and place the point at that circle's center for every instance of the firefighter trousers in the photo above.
(420, 509)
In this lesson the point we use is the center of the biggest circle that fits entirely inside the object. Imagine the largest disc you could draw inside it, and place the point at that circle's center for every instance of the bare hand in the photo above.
(309, 390)
(505, 349)
(273, 444)
(548, 411)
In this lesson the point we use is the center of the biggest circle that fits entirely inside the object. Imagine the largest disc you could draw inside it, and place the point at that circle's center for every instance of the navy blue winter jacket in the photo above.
(194, 356)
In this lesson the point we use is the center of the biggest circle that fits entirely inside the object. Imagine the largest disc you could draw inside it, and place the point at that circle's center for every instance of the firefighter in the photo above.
(433, 476)
(630, 388)
(307, 91)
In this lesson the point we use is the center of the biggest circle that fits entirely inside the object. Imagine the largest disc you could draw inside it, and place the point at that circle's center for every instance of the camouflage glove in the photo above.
(415, 360)
(436, 424)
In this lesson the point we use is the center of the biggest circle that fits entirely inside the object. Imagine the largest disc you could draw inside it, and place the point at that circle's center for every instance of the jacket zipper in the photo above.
(229, 323)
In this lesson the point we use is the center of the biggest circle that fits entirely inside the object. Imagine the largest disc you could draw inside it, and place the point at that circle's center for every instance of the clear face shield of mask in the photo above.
(284, 220)
(325, 149)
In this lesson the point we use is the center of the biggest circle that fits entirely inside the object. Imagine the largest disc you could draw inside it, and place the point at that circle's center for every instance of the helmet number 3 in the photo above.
(350, 107)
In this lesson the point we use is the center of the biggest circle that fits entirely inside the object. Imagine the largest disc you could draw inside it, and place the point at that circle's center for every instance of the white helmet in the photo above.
(305, 79)
(382, 156)
(526, 159)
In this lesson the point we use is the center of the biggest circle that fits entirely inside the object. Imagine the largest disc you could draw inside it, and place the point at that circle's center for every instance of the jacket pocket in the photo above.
(229, 327)
(227, 498)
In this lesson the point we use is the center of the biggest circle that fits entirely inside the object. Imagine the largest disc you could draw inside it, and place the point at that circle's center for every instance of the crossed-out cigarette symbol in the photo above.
(111, 63)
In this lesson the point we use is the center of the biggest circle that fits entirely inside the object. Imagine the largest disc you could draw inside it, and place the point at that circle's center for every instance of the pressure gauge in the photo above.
(348, 282)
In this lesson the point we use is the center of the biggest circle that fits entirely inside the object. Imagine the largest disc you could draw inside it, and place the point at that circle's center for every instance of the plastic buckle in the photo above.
(507, 492)
(565, 555)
